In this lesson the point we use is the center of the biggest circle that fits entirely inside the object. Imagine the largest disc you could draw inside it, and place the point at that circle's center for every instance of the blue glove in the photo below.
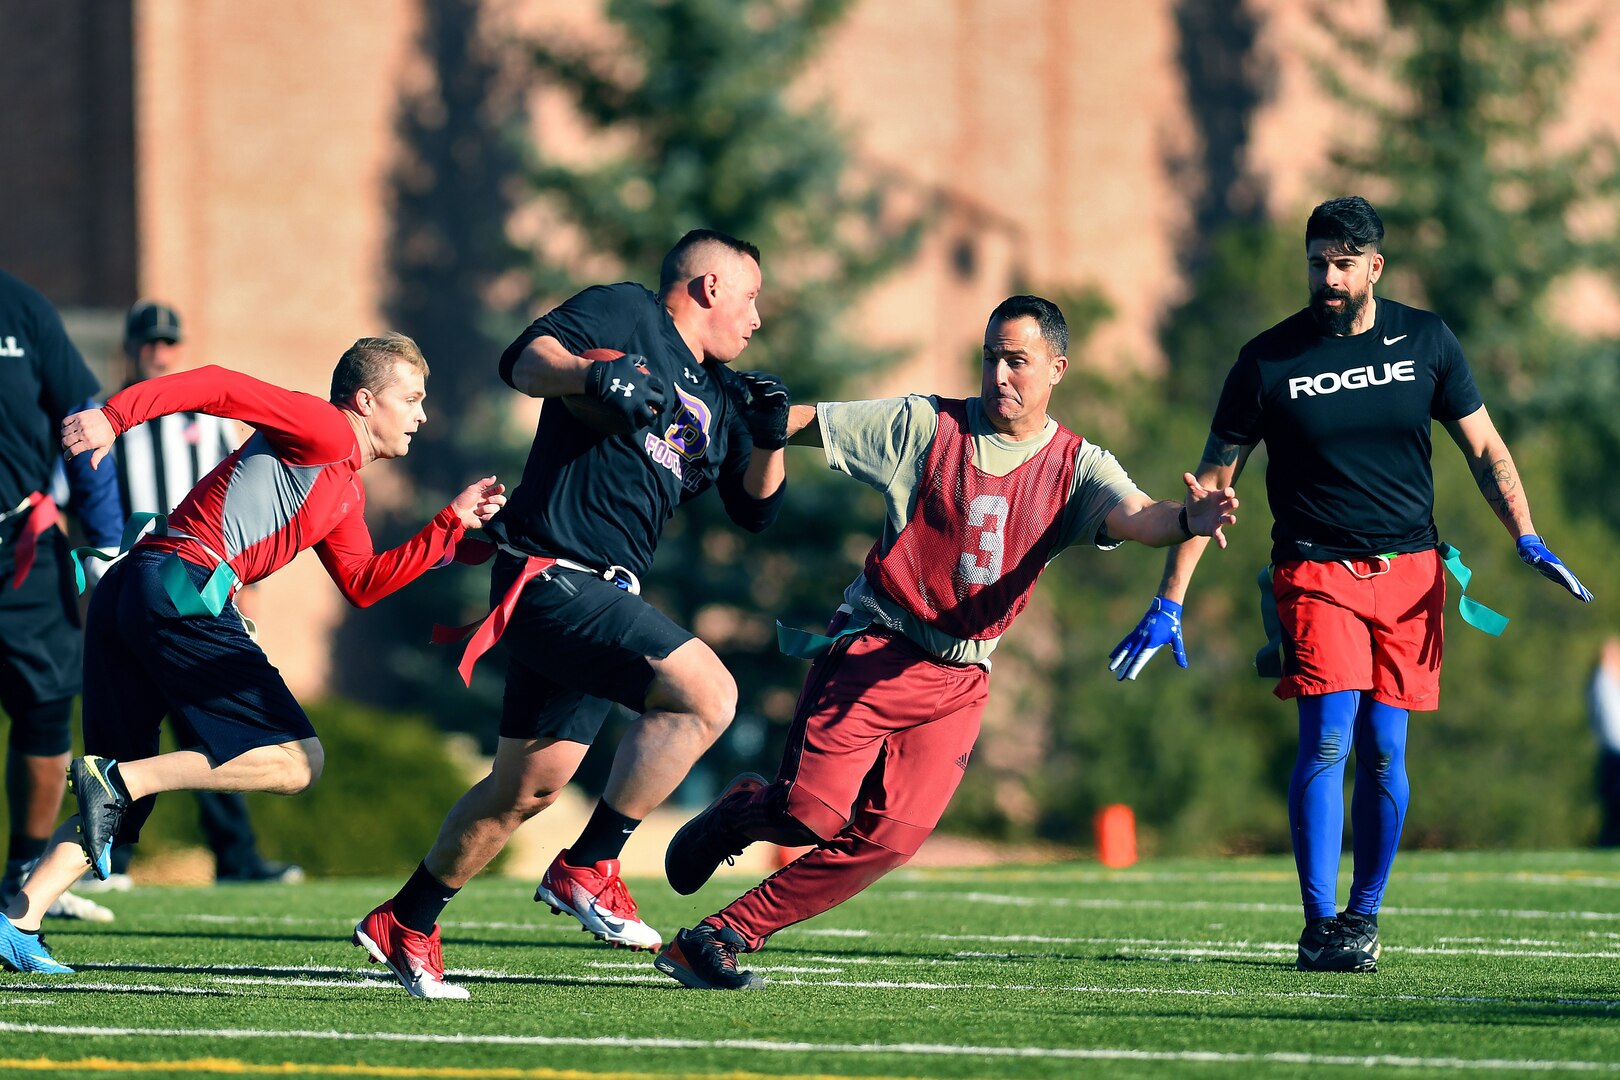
(1538, 558)
(1161, 626)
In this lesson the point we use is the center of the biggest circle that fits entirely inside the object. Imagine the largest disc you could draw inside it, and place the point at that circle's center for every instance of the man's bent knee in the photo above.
(693, 681)
(527, 804)
(300, 765)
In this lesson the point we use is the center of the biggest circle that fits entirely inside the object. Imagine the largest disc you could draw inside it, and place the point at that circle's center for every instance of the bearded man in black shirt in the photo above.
(1342, 392)
(574, 538)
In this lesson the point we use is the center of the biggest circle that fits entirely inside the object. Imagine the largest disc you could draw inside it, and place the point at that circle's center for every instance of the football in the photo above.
(591, 412)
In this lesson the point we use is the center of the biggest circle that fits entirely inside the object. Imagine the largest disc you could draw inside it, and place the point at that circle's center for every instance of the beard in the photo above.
(1338, 321)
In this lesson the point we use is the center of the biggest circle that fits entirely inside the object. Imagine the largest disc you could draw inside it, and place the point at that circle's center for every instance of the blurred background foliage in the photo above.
(1484, 217)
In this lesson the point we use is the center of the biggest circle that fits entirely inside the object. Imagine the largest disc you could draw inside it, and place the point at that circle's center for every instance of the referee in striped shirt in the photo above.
(159, 462)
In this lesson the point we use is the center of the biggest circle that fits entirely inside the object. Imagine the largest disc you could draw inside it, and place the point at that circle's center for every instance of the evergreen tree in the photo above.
(693, 100)
(1484, 214)
(451, 190)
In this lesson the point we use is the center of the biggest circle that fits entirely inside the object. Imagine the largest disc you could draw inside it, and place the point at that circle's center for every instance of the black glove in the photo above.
(763, 400)
(627, 386)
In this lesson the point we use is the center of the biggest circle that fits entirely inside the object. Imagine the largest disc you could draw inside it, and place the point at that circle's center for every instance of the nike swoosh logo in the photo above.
(615, 925)
(96, 772)
(1393, 340)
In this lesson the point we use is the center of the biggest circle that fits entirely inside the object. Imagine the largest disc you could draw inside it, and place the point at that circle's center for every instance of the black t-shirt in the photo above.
(603, 499)
(42, 379)
(1345, 421)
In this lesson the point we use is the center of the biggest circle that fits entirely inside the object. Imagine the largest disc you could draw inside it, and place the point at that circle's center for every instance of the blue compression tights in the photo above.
(1328, 725)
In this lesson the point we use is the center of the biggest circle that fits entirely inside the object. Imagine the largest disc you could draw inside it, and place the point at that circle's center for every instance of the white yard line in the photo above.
(348, 979)
(1112, 904)
(1592, 878)
(1070, 1053)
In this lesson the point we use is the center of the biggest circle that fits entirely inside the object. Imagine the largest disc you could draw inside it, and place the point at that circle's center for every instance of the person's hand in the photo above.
(764, 401)
(1544, 562)
(1207, 511)
(1161, 626)
(480, 501)
(88, 430)
(628, 386)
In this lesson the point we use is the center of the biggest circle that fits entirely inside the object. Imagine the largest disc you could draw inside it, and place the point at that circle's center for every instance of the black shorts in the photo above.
(41, 647)
(145, 660)
(575, 645)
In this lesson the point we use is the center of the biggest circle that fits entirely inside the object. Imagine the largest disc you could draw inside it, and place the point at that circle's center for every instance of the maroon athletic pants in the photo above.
(879, 743)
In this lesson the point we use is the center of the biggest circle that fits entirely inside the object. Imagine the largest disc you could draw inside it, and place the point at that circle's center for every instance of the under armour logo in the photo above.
(619, 386)
(688, 373)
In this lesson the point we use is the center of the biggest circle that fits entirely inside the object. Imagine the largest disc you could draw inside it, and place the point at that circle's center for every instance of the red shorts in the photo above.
(882, 732)
(1370, 629)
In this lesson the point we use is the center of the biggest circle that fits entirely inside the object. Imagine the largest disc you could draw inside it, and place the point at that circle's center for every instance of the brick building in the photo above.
(232, 157)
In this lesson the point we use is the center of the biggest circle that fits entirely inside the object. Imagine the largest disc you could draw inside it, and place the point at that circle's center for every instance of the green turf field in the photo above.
(1493, 965)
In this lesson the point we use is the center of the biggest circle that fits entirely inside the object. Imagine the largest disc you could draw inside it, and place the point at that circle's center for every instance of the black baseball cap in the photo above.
(149, 320)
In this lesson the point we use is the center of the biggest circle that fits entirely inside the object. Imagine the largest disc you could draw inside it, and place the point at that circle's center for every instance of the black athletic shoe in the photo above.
(703, 843)
(263, 872)
(1361, 931)
(706, 959)
(1327, 946)
(101, 810)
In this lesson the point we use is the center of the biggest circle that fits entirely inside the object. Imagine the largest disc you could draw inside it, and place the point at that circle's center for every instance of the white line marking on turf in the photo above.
(549, 925)
(59, 987)
(1213, 905)
(1166, 946)
(1593, 878)
(784, 1047)
(362, 982)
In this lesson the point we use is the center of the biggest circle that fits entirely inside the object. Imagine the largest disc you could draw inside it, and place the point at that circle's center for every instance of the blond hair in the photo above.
(370, 362)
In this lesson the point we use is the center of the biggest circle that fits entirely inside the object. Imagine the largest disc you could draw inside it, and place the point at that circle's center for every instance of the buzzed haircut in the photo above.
(1350, 224)
(370, 362)
(1054, 328)
(682, 262)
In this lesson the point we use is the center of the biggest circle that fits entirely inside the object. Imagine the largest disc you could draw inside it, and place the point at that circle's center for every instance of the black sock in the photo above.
(419, 904)
(25, 848)
(603, 837)
(117, 782)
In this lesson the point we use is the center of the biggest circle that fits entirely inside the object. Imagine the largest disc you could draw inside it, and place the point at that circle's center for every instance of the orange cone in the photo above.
(1116, 836)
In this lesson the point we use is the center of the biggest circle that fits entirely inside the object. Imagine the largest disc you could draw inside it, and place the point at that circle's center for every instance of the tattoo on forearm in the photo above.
(1217, 452)
(1498, 484)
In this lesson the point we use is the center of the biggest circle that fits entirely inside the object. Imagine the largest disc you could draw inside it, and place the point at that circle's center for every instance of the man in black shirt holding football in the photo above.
(621, 443)
(1342, 392)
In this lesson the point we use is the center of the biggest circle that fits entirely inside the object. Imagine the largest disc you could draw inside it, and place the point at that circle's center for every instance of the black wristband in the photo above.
(1181, 519)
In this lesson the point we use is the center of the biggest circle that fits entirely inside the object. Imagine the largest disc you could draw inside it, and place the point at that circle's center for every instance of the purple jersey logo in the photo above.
(688, 431)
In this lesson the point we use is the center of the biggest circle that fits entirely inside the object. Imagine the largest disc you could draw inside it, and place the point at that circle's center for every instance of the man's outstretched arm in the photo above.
(1498, 479)
(303, 428)
(802, 429)
(1222, 463)
(1219, 468)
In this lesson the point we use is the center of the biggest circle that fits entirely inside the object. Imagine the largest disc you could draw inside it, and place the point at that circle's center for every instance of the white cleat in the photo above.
(597, 897)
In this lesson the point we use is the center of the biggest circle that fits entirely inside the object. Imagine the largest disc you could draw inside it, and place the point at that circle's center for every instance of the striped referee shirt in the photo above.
(160, 461)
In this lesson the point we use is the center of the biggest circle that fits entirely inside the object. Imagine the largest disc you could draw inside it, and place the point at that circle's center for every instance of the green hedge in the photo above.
(389, 779)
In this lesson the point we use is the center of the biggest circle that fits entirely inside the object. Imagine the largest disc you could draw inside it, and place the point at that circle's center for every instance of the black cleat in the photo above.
(263, 872)
(704, 958)
(1361, 931)
(1327, 946)
(703, 843)
(101, 810)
